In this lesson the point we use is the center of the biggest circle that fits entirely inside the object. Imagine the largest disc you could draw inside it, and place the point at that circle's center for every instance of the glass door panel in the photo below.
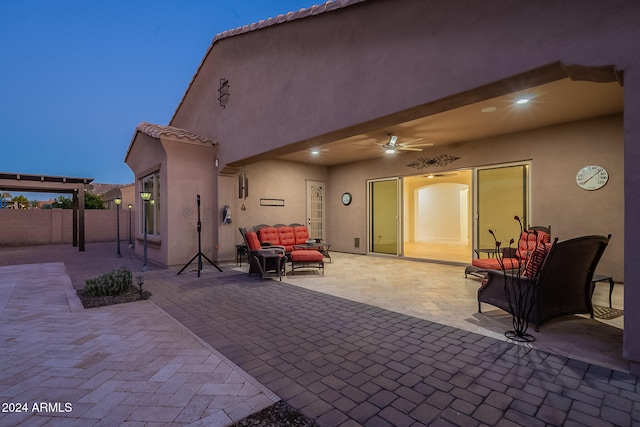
(501, 194)
(383, 217)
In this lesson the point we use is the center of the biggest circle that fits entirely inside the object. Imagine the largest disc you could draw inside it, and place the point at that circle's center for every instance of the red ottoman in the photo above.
(306, 259)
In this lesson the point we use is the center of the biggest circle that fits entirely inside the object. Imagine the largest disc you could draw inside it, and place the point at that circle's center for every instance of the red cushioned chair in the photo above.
(512, 258)
(263, 260)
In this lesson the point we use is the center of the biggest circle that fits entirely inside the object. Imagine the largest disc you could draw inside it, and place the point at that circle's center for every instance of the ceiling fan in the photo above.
(393, 145)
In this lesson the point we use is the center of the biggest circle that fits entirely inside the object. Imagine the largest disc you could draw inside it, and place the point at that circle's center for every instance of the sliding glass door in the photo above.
(502, 194)
(437, 212)
(383, 216)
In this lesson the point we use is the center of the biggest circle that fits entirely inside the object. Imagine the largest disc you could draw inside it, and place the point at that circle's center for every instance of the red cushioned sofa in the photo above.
(283, 235)
(288, 236)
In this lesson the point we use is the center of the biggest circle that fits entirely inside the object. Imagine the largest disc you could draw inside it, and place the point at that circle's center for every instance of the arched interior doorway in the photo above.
(437, 216)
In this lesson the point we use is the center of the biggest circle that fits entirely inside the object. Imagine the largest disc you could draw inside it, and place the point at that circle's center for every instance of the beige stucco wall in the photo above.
(274, 180)
(147, 156)
(228, 234)
(310, 80)
(187, 170)
(180, 212)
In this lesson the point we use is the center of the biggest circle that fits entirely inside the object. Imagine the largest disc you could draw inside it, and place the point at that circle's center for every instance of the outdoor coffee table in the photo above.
(321, 247)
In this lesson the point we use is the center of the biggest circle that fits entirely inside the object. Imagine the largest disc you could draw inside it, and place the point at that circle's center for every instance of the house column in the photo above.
(631, 345)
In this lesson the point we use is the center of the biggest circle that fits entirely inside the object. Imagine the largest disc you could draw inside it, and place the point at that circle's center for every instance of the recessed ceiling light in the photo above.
(315, 151)
(489, 109)
(522, 101)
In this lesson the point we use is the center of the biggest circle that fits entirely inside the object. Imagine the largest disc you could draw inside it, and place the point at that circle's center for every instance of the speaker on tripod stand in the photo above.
(199, 255)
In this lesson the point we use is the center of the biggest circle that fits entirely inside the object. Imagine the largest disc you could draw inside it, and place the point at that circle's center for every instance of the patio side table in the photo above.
(240, 251)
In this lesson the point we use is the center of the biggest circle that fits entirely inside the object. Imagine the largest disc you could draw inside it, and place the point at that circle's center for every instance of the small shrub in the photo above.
(113, 283)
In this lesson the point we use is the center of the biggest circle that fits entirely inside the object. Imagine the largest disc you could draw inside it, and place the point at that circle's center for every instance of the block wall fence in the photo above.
(54, 226)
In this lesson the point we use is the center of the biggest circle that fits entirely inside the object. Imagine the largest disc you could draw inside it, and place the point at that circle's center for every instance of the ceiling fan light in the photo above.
(389, 150)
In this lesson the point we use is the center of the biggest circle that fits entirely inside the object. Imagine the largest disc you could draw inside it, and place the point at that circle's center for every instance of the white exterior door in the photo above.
(316, 209)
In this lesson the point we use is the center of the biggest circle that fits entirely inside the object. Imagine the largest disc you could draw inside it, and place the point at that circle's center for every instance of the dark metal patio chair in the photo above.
(564, 283)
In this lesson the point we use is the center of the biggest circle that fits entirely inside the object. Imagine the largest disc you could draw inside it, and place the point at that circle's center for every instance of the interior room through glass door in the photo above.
(437, 216)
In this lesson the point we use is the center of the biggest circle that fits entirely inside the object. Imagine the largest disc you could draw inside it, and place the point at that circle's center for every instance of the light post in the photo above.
(130, 206)
(118, 202)
(145, 196)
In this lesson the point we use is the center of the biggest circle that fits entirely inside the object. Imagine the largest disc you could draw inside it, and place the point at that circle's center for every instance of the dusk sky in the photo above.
(76, 77)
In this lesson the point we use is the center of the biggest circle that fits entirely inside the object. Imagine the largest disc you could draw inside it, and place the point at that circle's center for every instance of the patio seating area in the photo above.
(325, 344)
(562, 287)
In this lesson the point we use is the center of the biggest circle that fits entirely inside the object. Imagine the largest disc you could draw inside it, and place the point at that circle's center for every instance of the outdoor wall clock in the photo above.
(346, 199)
(592, 177)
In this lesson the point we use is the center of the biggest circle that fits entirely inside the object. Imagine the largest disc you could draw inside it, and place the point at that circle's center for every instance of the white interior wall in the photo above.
(441, 216)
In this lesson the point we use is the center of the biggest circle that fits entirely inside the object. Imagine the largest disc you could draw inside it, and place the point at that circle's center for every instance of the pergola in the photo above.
(53, 184)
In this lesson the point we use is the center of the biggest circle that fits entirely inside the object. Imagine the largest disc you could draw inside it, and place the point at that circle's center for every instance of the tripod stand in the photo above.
(199, 255)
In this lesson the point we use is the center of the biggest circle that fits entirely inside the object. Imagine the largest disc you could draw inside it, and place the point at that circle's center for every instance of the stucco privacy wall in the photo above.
(54, 226)
(374, 63)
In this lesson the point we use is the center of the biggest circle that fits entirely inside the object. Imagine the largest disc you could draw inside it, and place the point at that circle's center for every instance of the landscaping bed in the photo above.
(277, 415)
(133, 294)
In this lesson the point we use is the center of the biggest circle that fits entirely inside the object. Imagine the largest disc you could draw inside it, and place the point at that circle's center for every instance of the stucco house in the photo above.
(435, 120)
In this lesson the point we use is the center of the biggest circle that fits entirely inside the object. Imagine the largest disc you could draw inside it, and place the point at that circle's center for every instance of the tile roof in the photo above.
(156, 131)
(101, 188)
(291, 16)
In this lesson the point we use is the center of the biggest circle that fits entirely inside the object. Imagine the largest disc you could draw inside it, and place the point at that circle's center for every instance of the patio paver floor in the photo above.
(339, 361)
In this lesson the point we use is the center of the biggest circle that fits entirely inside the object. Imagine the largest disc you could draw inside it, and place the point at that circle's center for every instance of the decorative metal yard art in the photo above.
(521, 296)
